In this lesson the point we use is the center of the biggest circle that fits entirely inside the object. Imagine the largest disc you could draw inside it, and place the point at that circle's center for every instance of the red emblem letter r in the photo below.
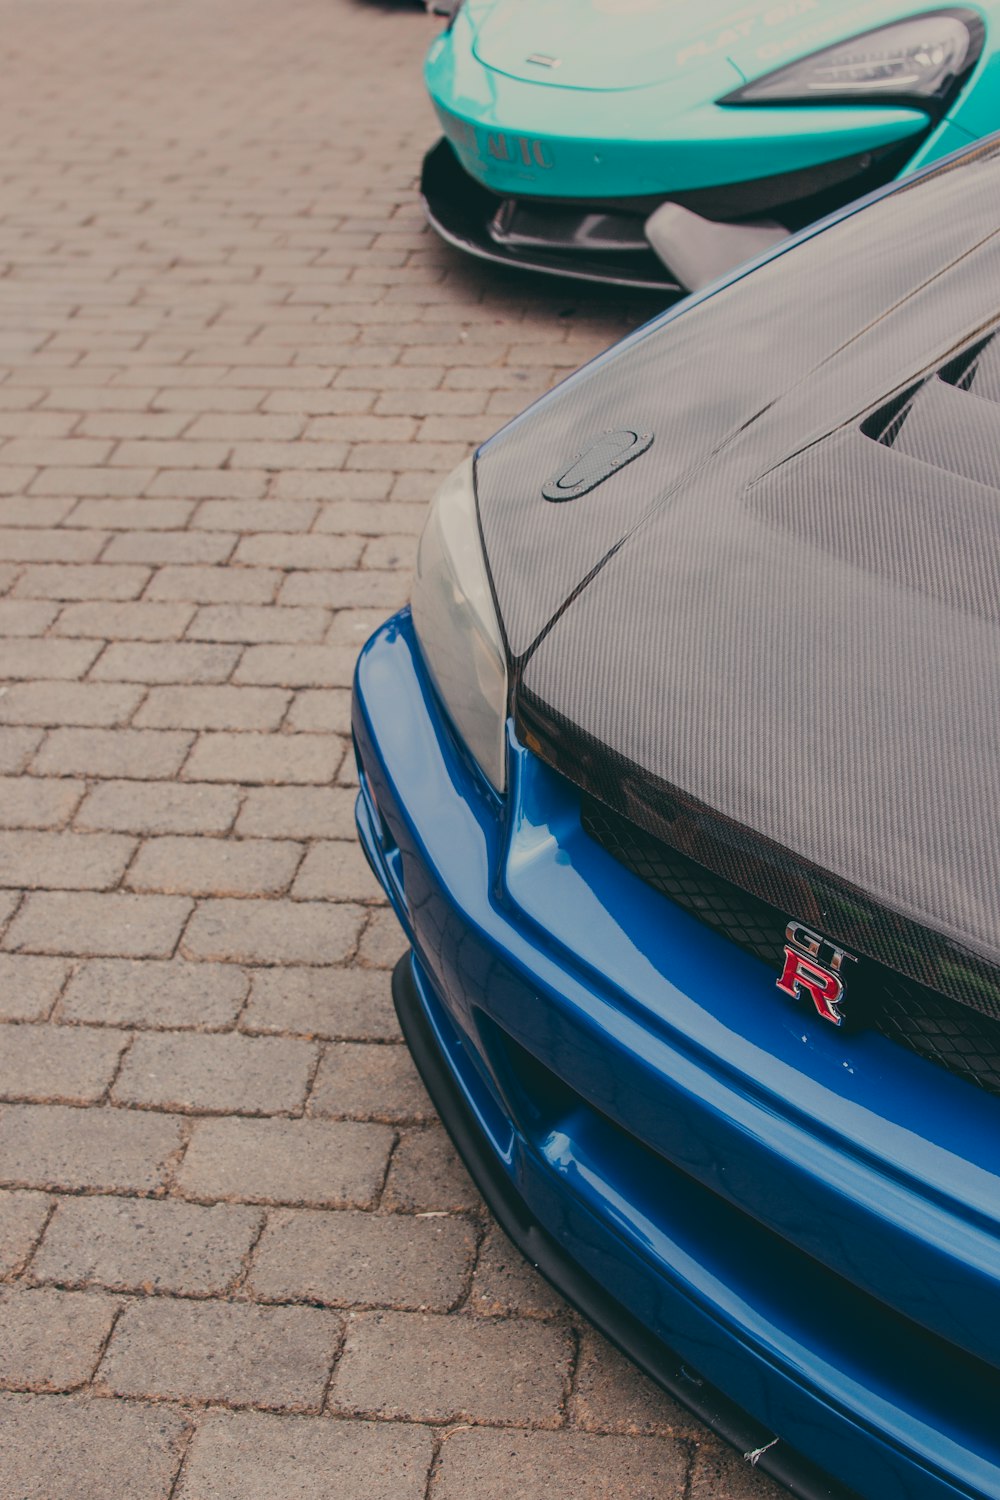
(825, 989)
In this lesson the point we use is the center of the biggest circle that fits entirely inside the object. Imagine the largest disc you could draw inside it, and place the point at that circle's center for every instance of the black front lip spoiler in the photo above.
(727, 1420)
(459, 209)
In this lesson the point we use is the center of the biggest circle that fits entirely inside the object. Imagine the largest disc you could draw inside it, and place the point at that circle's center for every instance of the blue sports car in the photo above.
(658, 143)
(681, 774)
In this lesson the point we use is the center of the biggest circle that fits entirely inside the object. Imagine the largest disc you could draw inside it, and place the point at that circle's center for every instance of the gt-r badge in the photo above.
(814, 964)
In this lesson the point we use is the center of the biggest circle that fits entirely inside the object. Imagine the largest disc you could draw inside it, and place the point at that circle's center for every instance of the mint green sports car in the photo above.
(657, 143)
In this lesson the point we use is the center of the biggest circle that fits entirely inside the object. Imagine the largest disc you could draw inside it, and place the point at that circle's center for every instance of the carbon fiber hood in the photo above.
(774, 637)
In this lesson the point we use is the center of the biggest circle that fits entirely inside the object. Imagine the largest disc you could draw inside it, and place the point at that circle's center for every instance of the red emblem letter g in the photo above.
(802, 973)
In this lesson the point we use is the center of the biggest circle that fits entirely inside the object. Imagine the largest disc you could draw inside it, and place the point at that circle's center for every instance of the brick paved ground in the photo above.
(238, 1259)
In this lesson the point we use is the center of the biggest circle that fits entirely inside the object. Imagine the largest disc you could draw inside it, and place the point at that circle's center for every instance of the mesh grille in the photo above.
(916, 1017)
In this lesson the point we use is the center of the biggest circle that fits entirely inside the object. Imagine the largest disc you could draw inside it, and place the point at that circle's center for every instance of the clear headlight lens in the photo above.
(919, 58)
(457, 627)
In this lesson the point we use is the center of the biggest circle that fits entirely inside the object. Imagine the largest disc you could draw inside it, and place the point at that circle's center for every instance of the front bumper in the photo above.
(707, 1179)
(608, 241)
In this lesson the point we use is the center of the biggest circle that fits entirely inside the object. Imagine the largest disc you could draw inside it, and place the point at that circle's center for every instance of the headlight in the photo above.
(920, 58)
(457, 626)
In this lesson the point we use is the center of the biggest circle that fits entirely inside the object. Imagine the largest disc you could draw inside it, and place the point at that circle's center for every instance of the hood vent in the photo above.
(937, 423)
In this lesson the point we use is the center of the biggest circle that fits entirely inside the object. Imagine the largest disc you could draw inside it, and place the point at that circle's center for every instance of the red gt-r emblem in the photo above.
(814, 965)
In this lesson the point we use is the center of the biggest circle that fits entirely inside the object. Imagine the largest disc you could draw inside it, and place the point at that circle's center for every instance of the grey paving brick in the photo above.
(321, 711)
(158, 807)
(164, 547)
(717, 1473)
(171, 661)
(297, 812)
(427, 1176)
(29, 986)
(63, 861)
(101, 581)
(297, 666)
(280, 550)
(31, 659)
(611, 1395)
(215, 585)
(52, 1340)
(213, 708)
(336, 871)
(271, 1357)
(250, 1456)
(552, 1465)
(506, 1286)
(150, 993)
(272, 932)
(216, 1074)
(126, 622)
(256, 622)
(86, 924)
(205, 867)
(427, 1367)
(383, 941)
(115, 1150)
(17, 746)
(338, 1004)
(66, 1448)
(142, 754)
(61, 703)
(22, 1218)
(283, 759)
(319, 1163)
(26, 617)
(145, 1245)
(352, 1259)
(64, 1064)
(34, 802)
(358, 1082)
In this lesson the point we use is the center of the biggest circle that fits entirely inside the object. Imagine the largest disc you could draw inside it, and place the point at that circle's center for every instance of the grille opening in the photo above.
(915, 1016)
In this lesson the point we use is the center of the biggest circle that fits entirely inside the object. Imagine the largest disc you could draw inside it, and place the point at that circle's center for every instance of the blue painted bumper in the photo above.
(810, 1221)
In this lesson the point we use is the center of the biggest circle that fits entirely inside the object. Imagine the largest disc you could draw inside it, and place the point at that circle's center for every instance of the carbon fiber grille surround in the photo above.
(931, 1024)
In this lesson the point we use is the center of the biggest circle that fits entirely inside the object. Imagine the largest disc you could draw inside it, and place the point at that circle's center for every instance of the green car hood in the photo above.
(613, 45)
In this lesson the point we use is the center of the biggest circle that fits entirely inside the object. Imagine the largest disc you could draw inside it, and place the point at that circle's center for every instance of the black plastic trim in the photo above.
(735, 1426)
(459, 209)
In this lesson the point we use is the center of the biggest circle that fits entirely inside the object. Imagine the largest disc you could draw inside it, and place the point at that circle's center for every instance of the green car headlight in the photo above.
(921, 58)
(457, 626)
